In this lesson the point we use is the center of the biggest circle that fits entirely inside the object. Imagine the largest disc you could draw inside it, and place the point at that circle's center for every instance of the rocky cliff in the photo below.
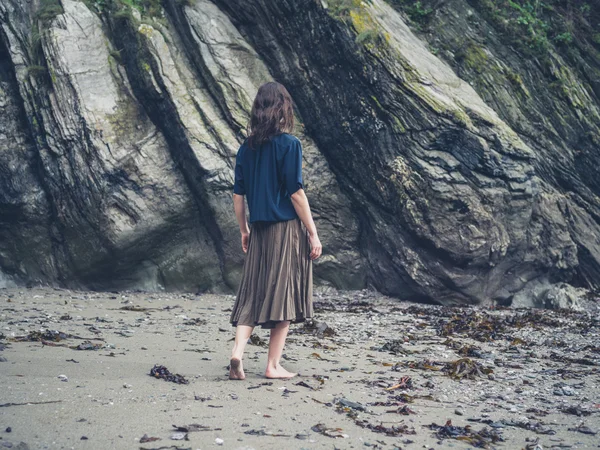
(445, 159)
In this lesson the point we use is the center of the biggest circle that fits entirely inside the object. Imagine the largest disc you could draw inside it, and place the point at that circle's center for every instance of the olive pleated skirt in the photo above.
(276, 280)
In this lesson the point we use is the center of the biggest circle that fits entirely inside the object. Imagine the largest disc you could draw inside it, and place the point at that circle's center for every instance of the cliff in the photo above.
(447, 157)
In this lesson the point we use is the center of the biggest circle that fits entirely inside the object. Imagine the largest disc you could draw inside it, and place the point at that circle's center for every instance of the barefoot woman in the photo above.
(282, 241)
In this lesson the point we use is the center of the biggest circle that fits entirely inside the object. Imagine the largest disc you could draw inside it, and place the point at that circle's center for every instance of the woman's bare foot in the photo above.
(278, 372)
(236, 371)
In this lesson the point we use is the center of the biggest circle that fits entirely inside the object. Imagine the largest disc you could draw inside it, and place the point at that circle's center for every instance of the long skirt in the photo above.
(276, 282)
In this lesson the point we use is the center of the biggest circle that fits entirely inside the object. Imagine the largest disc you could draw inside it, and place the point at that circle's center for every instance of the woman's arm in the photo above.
(300, 202)
(240, 213)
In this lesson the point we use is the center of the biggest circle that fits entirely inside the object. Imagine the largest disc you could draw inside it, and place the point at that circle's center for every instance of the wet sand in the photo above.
(537, 380)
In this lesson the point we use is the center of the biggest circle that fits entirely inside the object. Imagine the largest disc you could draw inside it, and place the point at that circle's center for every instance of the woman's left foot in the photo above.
(236, 371)
(278, 372)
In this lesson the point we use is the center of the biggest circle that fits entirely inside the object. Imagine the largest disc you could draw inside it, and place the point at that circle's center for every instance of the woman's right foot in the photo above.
(236, 371)
(278, 372)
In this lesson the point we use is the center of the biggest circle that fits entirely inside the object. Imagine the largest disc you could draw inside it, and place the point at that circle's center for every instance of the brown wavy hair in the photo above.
(272, 114)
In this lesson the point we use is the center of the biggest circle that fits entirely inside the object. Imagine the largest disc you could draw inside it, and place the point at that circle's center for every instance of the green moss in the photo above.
(354, 13)
(367, 37)
(52, 75)
(376, 102)
(473, 57)
(516, 81)
(398, 126)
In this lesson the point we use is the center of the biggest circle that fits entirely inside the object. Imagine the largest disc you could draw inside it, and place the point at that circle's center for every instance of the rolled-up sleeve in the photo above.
(292, 168)
(238, 184)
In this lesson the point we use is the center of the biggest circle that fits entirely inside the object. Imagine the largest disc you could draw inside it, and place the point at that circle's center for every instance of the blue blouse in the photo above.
(268, 176)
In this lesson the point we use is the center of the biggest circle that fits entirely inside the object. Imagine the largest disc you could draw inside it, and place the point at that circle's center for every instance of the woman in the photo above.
(276, 285)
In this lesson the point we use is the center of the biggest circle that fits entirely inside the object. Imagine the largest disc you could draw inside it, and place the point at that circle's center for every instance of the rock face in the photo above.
(430, 178)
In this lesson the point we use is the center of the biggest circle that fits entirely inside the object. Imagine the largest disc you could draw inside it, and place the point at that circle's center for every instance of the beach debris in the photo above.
(134, 308)
(536, 427)
(306, 385)
(159, 371)
(317, 328)
(576, 410)
(581, 428)
(255, 339)
(330, 432)
(195, 321)
(145, 438)
(393, 430)
(87, 345)
(63, 378)
(4, 405)
(219, 441)
(470, 351)
(47, 335)
(179, 436)
(424, 364)
(404, 383)
(466, 368)
(345, 403)
(193, 427)
(393, 346)
(264, 383)
(286, 392)
(262, 432)
(479, 439)
(404, 410)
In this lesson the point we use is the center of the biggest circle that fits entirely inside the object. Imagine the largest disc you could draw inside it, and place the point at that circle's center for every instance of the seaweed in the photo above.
(162, 372)
(466, 368)
(479, 439)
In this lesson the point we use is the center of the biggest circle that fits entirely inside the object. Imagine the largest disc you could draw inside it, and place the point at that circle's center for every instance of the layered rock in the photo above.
(117, 157)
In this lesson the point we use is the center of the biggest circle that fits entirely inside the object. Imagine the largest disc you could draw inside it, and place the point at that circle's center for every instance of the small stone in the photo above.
(219, 441)
(458, 412)
(63, 378)
(8, 429)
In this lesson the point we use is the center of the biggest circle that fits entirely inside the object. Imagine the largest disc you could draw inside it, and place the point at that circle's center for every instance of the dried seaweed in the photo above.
(425, 364)
(162, 372)
(466, 368)
(255, 339)
(195, 321)
(394, 430)
(86, 345)
(319, 329)
(330, 432)
(479, 439)
(48, 335)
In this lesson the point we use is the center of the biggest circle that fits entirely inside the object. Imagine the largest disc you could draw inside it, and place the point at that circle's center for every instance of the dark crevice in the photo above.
(175, 10)
(165, 116)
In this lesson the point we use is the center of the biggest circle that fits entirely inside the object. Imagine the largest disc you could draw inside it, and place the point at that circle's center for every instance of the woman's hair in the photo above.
(272, 113)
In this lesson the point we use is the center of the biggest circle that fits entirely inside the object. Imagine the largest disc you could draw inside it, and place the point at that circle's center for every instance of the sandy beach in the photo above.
(374, 372)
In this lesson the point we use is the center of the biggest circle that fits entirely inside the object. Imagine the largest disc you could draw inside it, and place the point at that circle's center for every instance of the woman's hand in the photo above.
(245, 241)
(315, 246)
